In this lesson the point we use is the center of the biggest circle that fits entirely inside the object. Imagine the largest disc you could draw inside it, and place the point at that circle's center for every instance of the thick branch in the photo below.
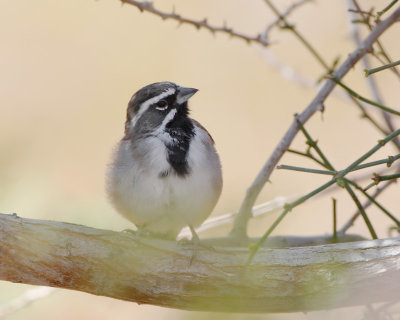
(166, 273)
(316, 104)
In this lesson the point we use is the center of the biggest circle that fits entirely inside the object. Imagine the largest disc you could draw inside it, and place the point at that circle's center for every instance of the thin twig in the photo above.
(309, 170)
(365, 156)
(373, 86)
(334, 220)
(340, 179)
(377, 178)
(198, 24)
(288, 26)
(380, 13)
(374, 70)
(382, 50)
(354, 217)
(375, 202)
(240, 225)
(361, 209)
(368, 13)
(314, 145)
(389, 161)
(358, 96)
(366, 115)
(306, 155)
(284, 14)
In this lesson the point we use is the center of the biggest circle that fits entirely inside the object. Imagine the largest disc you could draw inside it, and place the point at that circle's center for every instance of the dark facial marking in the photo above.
(181, 130)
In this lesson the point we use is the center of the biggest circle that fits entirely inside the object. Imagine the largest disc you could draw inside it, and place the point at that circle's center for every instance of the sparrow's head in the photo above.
(156, 105)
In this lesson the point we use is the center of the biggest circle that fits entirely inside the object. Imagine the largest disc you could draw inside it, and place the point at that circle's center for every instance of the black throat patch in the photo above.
(181, 130)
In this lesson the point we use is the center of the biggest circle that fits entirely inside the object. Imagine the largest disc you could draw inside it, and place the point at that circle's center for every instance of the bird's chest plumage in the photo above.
(160, 172)
(166, 180)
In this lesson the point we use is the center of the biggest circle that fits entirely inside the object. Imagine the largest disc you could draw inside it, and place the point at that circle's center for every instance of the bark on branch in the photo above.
(165, 273)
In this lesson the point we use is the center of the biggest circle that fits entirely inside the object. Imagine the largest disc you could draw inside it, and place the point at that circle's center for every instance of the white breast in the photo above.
(164, 204)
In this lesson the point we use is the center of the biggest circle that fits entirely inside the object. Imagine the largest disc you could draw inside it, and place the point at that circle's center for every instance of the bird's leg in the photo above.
(195, 241)
(195, 237)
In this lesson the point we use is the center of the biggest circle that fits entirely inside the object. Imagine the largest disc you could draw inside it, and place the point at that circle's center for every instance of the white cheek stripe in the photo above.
(145, 105)
(167, 119)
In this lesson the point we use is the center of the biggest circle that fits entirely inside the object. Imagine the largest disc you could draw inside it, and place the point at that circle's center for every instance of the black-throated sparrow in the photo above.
(165, 172)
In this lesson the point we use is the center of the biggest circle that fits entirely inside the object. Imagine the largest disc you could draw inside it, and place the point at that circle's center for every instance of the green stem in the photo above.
(366, 115)
(361, 209)
(388, 177)
(301, 169)
(378, 179)
(346, 185)
(287, 208)
(307, 155)
(380, 144)
(388, 161)
(334, 220)
(315, 146)
(387, 66)
(356, 95)
(377, 192)
(311, 49)
(370, 198)
(380, 13)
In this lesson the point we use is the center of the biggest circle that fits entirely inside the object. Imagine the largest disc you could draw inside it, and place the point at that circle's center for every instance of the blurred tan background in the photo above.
(68, 69)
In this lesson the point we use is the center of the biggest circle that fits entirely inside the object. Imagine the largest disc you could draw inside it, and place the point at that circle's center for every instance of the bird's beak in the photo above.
(184, 94)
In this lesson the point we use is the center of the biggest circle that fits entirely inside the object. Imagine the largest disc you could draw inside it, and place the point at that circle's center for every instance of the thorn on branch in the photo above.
(368, 13)
(198, 24)
(390, 161)
(370, 50)
(376, 177)
(287, 26)
(360, 21)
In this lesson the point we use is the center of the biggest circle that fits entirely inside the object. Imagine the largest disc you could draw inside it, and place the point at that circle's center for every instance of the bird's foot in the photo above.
(140, 232)
(194, 243)
(130, 231)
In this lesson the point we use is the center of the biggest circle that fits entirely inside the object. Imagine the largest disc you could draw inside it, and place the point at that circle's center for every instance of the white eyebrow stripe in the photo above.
(145, 105)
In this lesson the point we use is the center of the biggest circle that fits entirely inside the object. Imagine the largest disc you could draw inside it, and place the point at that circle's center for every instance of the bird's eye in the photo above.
(162, 105)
